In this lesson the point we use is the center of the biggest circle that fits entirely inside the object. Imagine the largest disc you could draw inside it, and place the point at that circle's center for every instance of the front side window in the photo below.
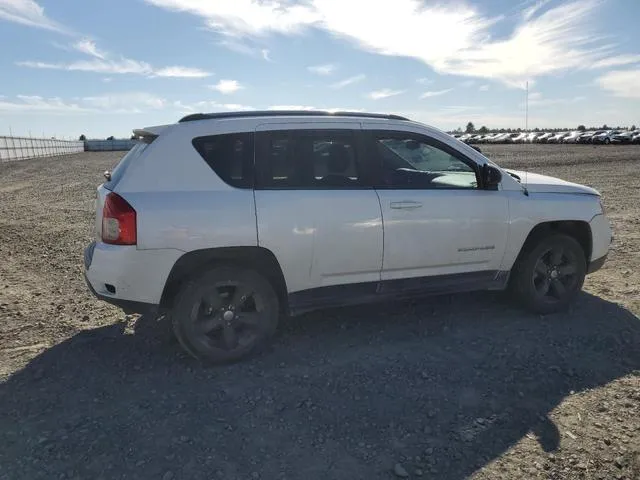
(307, 159)
(412, 161)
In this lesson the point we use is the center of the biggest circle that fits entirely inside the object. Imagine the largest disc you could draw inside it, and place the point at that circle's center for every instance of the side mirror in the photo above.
(491, 177)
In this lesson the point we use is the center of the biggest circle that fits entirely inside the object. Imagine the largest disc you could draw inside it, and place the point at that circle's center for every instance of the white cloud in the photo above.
(38, 104)
(537, 100)
(89, 47)
(124, 102)
(621, 83)
(181, 72)
(122, 65)
(325, 69)
(246, 17)
(226, 87)
(29, 13)
(107, 103)
(210, 106)
(384, 93)
(435, 93)
(348, 81)
(265, 54)
(616, 61)
(529, 12)
(484, 88)
(452, 38)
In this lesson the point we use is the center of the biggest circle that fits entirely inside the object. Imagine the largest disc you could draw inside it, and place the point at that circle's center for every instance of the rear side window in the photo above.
(230, 156)
(307, 159)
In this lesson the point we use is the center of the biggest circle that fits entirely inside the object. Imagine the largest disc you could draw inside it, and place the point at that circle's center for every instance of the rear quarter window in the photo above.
(230, 156)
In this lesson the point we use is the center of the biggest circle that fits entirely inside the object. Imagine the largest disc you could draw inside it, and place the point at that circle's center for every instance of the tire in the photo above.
(549, 274)
(607, 141)
(225, 315)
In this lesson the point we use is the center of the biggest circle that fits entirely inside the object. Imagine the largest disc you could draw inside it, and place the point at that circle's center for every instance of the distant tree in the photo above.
(633, 127)
(604, 127)
(82, 137)
(470, 128)
(483, 130)
(582, 128)
(110, 138)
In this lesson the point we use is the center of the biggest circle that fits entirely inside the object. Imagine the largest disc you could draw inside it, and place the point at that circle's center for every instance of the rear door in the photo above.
(315, 210)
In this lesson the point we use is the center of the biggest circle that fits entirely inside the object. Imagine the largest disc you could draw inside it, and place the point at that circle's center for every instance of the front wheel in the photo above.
(550, 274)
(225, 314)
(607, 141)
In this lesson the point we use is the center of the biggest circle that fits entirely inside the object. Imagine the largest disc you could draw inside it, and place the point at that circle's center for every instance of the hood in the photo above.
(544, 184)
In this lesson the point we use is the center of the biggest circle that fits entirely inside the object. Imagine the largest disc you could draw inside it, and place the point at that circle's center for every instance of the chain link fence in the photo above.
(92, 145)
(21, 148)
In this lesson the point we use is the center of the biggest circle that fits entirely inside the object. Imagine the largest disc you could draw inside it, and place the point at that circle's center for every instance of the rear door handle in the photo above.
(405, 205)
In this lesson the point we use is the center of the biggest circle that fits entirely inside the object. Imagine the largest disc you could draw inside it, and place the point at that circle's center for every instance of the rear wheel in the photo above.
(225, 315)
(550, 274)
(607, 141)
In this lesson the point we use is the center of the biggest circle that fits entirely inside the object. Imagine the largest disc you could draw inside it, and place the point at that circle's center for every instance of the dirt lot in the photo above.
(446, 388)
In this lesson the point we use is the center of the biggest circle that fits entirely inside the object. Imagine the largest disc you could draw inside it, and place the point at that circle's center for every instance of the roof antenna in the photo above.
(526, 127)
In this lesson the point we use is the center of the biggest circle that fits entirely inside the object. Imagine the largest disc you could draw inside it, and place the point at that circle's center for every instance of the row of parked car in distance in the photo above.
(605, 137)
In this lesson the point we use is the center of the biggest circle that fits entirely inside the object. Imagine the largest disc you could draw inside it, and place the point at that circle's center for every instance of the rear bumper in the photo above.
(126, 277)
(127, 306)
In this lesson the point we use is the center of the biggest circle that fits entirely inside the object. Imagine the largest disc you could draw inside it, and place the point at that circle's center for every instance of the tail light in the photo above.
(118, 221)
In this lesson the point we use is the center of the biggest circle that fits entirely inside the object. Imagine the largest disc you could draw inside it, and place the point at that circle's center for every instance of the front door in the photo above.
(437, 221)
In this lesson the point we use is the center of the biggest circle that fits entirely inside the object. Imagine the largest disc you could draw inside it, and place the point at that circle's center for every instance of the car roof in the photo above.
(286, 113)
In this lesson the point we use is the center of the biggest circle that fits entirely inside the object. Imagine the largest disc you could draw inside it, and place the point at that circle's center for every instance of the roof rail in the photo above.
(285, 113)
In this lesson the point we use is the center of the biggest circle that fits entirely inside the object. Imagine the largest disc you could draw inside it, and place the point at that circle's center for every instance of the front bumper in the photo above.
(596, 265)
(601, 239)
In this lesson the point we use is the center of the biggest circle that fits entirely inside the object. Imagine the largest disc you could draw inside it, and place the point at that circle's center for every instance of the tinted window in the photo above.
(230, 156)
(411, 161)
(307, 159)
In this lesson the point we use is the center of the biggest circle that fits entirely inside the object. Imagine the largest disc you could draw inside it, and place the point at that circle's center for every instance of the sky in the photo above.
(71, 67)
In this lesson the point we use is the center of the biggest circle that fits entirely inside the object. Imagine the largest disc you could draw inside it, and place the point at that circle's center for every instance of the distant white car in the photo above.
(510, 137)
(572, 137)
(521, 138)
(557, 138)
(226, 221)
(531, 137)
(544, 137)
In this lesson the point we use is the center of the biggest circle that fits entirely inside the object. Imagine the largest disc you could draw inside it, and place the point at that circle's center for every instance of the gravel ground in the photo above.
(446, 388)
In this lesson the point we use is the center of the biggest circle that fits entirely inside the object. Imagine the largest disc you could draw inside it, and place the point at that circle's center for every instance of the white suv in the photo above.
(225, 221)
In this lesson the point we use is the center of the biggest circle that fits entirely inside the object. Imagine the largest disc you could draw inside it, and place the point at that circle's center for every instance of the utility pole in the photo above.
(526, 114)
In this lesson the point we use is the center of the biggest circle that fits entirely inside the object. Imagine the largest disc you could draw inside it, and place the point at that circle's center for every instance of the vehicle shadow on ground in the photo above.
(443, 385)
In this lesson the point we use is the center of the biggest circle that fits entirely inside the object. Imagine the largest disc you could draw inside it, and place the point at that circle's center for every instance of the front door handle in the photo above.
(405, 205)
